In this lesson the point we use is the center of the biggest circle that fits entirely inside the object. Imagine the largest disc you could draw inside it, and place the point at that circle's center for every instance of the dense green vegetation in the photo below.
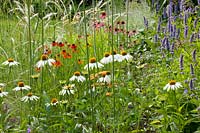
(104, 66)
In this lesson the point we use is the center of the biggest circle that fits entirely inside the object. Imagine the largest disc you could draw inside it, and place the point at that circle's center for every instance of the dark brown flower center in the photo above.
(10, 60)
(114, 53)
(21, 84)
(29, 94)
(54, 100)
(106, 54)
(44, 57)
(172, 82)
(77, 73)
(93, 60)
(124, 53)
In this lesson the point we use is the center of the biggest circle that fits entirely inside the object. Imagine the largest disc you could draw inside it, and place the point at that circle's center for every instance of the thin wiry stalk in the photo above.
(127, 7)
(113, 67)
(88, 82)
(29, 40)
(94, 33)
(42, 28)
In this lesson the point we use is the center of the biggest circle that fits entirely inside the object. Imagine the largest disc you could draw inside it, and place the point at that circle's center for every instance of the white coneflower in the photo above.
(127, 56)
(2, 84)
(54, 101)
(21, 86)
(45, 60)
(93, 64)
(29, 97)
(105, 77)
(10, 62)
(106, 59)
(77, 76)
(69, 89)
(116, 57)
(172, 85)
(2, 93)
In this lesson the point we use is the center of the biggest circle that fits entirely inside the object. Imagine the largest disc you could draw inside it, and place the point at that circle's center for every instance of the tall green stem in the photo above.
(88, 82)
(113, 67)
(29, 40)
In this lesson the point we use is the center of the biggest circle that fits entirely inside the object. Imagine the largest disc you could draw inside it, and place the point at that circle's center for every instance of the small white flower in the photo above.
(77, 76)
(21, 86)
(172, 85)
(105, 77)
(45, 60)
(127, 56)
(54, 102)
(2, 93)
(10, 62)
(116, 57)
(93, 64)
(2, 84)
(29, 97)
(69, 89)
(106, 59)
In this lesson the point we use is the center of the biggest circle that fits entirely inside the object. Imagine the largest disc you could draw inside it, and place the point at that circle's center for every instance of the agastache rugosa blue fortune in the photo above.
(181, 62)
(191, 70)
(194, 55)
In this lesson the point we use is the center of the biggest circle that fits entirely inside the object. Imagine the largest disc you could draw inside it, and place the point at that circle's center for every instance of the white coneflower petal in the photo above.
(126, 56)
(45, 60)
(2, 93)
(10, 62)
(21, 86)
(105, 77)
(106, 59)
(2, 84)
(116, 57)
(93, 64)
(77, 76)
(67, 89)
(172, 85)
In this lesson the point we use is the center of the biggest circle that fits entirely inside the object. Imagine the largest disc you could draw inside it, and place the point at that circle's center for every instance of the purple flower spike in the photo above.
(164, 13)
(157, 6)
(191, 70)
(176, 9)
(185, 18)
(145, 22)
(185, 31)
(167, 44)
(163, 42)
(172, 48)
(156, 38)
(198, 2)
(194, 55)
(29, 130)
(191, 85)
(178, 33)
(192, 38)
(195, 22)
(185, 91)
(181, 62)
(158, 27)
